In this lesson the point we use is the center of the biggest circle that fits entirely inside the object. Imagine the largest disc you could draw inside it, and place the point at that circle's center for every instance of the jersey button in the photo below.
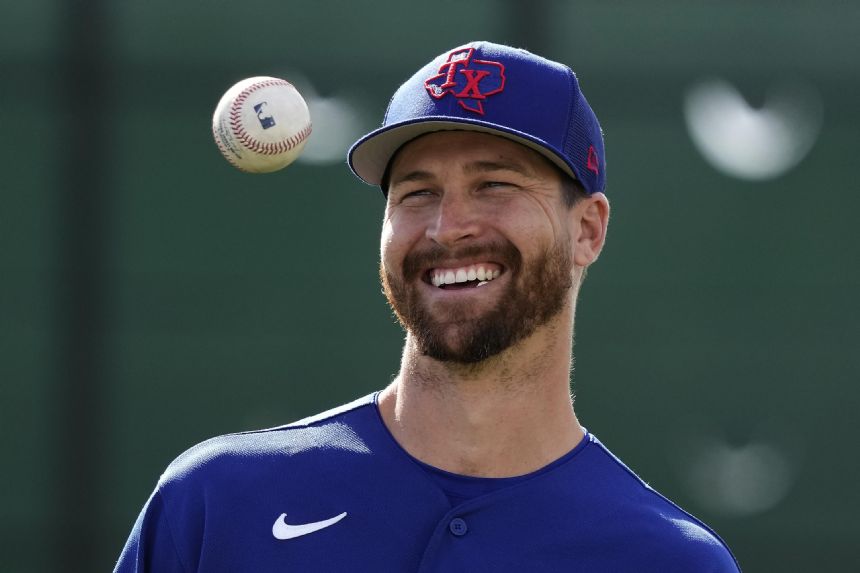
(458, 527)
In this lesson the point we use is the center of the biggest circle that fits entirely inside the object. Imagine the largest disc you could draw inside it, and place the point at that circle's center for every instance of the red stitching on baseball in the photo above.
(228, 155)
(250, 142)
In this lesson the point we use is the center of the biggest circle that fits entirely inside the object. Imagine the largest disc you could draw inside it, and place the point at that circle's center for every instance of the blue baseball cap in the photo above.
(494, 89)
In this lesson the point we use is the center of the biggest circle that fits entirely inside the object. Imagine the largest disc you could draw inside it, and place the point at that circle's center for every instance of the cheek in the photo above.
(394, 244)
(538, 226)
(386, 244)
(557, 223)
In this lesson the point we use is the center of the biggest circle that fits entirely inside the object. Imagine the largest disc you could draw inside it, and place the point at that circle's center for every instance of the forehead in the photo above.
(447, 149)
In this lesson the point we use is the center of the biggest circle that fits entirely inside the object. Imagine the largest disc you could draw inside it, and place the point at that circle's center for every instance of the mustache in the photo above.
(419, 260)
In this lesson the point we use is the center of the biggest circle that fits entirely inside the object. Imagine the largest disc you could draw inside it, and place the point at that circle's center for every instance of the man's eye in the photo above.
(416, 194)
(496, 184)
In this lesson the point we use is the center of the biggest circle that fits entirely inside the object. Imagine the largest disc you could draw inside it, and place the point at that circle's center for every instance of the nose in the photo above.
(457, 218)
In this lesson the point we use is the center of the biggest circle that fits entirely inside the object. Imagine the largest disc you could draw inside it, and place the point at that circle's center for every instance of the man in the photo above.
(472, 459)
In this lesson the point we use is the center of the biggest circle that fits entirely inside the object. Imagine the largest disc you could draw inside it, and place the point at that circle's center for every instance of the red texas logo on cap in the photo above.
(468, 80)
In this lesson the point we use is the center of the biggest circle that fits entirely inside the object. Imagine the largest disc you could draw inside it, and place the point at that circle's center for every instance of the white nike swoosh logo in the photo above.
(283, 530)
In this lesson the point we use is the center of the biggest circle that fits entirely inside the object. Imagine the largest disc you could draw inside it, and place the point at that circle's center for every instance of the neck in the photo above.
(506, 416)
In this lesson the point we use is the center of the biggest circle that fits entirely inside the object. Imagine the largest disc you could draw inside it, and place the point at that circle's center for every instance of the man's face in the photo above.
(476, 251)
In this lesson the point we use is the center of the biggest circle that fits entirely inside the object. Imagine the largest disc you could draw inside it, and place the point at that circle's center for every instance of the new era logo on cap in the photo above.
(593, 163)
(467, 79)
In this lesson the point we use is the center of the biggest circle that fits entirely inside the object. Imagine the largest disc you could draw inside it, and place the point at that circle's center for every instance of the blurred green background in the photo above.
(153, 296)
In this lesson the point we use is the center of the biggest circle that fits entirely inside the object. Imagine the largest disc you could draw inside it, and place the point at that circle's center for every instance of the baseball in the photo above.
(261, 124)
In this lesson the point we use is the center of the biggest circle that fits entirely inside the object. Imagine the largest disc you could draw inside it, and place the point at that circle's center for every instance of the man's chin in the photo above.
(461, 342)
(455, 355)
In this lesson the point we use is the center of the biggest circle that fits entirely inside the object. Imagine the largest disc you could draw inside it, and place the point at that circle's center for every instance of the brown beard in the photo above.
(536, 293)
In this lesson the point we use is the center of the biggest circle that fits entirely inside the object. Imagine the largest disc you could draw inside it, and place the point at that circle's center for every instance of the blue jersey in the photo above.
(336, 493)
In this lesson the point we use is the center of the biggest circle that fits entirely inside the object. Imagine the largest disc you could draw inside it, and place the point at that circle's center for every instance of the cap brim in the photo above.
(369, 156)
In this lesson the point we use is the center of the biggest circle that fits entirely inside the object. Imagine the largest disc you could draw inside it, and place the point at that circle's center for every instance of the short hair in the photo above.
(572, 190)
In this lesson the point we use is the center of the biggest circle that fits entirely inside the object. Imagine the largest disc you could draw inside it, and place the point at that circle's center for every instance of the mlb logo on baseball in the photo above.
(266, 121)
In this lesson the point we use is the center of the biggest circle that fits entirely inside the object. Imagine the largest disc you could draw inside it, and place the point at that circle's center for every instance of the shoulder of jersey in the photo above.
(329, 430)
(676, 540)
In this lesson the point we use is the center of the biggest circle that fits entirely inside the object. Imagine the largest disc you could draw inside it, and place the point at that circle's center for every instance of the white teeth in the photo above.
(482, 283)
(461, 275)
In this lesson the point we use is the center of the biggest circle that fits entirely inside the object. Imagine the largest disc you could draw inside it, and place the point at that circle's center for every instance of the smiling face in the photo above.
(476, 244)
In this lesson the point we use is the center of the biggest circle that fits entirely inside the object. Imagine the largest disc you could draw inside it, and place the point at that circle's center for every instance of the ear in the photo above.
(588, 232)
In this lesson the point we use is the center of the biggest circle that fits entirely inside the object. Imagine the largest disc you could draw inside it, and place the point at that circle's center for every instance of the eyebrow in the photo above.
(473, 167)
(484, 166)
(413, 176)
